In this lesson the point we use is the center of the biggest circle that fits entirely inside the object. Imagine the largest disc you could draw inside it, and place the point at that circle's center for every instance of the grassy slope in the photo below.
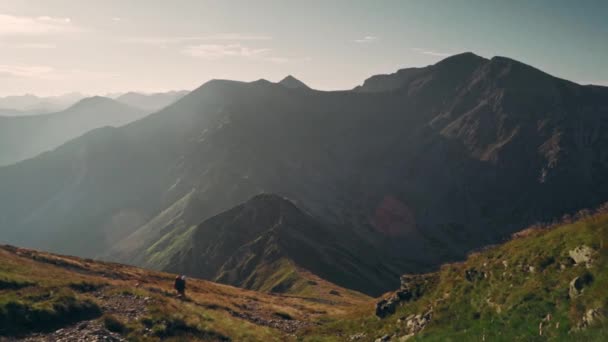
(520, 283)
(511, 301)
(52, 286)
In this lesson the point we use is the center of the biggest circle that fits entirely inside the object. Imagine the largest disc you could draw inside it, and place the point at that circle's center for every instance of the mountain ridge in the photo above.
(425, 172)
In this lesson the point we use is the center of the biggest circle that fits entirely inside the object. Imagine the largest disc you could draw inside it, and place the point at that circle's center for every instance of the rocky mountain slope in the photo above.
(424, 166)
(268, 244)
(547, 283)
(27, 136)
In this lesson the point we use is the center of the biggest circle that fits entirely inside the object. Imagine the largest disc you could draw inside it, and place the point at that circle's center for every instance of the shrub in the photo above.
(113, 324)
(85, 287)
(283, 315)
(11, 284)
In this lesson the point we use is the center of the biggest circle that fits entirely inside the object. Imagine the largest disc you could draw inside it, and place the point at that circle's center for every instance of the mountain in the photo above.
(31, 104)
(265, 244)
(547, 282)
(292, 82)
(444, 160)
(25, 137)
(151, 102)
(47, 297)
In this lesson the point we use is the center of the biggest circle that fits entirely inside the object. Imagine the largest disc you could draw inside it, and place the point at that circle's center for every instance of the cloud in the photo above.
(431, 52)
(214, 51)
(27, 71)
(217, 51)
(42, 25)
(171, 40)
(116, 19)
(366, 39)
(45, 72)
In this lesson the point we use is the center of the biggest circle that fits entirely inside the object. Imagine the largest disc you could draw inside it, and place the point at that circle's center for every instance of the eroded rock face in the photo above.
(582, 255)
(386, 307)
(413, 286)
(591, 316)
(415, 323)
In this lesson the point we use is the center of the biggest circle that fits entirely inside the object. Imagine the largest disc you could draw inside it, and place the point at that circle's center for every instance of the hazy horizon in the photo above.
(64, 46)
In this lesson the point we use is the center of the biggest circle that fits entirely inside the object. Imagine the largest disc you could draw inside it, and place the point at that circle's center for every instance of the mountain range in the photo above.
(548, 282)
(408, 170)
(27, 136)
(28, 104)
(151, 102)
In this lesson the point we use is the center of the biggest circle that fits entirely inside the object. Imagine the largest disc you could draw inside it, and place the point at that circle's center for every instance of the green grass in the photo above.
(42, 310)
(506, 303)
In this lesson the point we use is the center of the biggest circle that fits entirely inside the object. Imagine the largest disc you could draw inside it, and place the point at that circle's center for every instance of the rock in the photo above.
(412, 287)
(547, 319)
(415, 323)
(582, 255)
(474, 275)
(577, 284)
(384, 338)
(576, 287)
(590, 316)
(386, 307)
(357, 337)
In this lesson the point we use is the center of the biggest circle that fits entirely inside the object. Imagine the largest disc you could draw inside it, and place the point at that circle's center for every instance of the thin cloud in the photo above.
(366, 39)
(116, 19)
(431, 52)
(164, 41)
(27, 71)
(42, 25)
(214, 51)
(45, 72)
(232, 50)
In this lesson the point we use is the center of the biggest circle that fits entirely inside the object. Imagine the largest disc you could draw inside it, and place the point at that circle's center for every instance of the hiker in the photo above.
(180, 285)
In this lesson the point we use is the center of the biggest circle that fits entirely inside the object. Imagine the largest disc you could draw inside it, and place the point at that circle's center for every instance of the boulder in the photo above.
(578, 283)
(582, 255)
(385, 338)
(576, 288)
(590, 317)
(415, 323)
(386, 307)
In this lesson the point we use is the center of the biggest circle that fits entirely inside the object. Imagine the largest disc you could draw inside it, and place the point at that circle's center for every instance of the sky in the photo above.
(50, 47)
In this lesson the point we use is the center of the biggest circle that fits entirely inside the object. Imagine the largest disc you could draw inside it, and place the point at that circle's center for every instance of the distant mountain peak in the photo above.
(292, 82)
(92, 100)
(462, 60)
